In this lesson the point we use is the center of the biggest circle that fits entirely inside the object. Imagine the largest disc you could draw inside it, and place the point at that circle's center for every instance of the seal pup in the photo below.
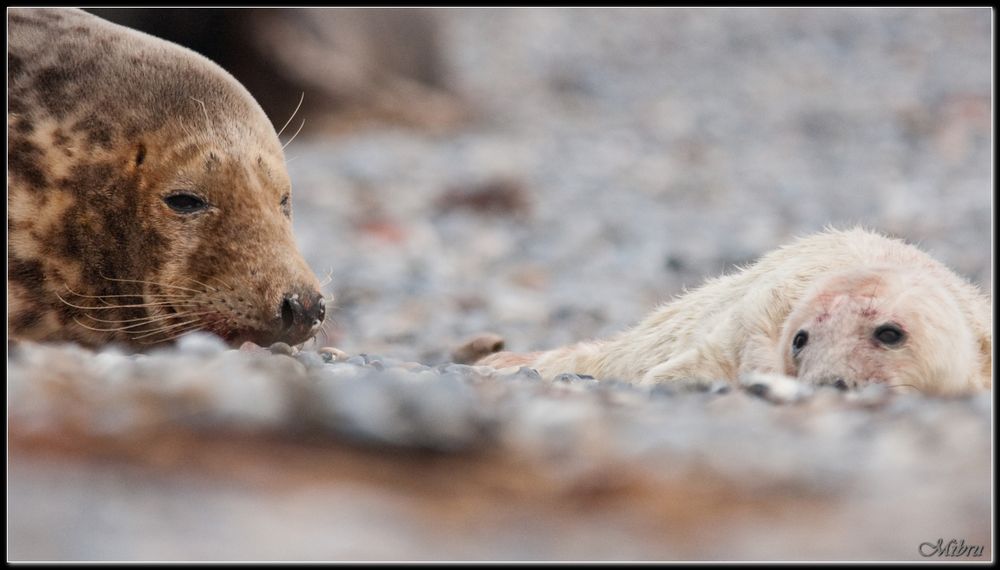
(840, 307)
(147, 194)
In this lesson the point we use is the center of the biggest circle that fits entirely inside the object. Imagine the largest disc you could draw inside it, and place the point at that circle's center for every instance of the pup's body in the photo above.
(848, 292)
(147, 193)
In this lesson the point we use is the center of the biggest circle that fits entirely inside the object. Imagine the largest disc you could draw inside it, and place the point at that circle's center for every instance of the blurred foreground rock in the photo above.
(203, 453)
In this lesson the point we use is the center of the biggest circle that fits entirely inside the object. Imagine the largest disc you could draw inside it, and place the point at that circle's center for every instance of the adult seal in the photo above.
(147, 194)
(845, 308)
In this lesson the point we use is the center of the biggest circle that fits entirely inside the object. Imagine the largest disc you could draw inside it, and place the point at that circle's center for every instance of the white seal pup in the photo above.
(841, 307)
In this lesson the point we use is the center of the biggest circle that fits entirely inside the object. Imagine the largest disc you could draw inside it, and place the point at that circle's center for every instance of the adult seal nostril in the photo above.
(301, 314)
(289, 307)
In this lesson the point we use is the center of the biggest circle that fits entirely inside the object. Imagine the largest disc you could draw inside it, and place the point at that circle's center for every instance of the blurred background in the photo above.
(552, 174)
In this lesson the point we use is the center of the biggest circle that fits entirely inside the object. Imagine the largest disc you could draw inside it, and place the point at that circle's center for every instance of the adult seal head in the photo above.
(147, 194)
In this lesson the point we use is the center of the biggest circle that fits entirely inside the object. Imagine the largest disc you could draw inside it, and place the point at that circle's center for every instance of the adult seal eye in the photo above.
(185, 203)
(799, 342)
(889, 335)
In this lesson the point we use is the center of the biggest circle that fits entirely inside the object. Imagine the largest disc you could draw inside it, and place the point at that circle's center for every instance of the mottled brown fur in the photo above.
(105, 123)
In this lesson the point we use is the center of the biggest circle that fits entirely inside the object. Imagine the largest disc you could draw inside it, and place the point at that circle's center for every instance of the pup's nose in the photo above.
(837, 382)
(301, 315)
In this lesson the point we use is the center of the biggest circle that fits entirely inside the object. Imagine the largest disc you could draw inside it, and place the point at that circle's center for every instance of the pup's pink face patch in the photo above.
(885, 325)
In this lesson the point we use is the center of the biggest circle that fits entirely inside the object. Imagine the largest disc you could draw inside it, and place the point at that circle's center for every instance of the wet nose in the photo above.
(301, 314)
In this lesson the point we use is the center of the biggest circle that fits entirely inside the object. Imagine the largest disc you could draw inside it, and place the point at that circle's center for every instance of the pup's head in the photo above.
(896, 326)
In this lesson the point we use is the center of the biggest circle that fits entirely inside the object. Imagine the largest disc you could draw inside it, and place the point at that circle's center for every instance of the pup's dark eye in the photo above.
(889, 334)
(185, 203)
(800, 340)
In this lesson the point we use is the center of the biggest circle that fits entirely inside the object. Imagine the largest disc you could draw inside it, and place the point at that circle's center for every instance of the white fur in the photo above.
(736, 324)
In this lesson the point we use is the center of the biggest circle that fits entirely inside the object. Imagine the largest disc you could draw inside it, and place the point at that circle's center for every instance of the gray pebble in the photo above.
(662, 391)
(201, 344)
(330, 354)
(461, 369)
(566, 377)
(281, 348)
(526, 373)
(309, 359)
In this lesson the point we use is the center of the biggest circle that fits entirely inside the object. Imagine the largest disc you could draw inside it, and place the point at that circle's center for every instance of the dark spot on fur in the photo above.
(50, 15)
(24, 161)
(24, 126)
(19, 225)
(26, 272)
(98, 131)
(64, 313)
(60, 139)
(140, 154)
(51, 86)
(26, 21)
(15, 66)
(16, 105)
(81, 30)
(88, 180)
(25, 319)
(61, 88)
(108, 231)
